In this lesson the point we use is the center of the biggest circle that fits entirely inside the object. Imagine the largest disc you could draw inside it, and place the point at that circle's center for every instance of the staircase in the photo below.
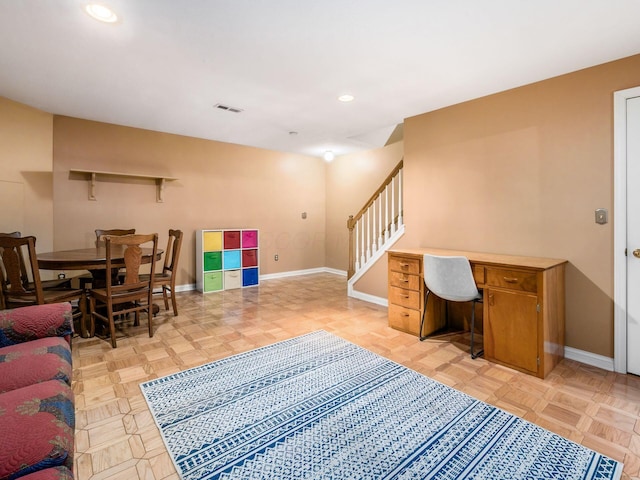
(376, 226)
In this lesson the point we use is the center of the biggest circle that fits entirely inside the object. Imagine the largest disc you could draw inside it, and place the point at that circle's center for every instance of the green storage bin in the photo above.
(212, 281)
(212, 261)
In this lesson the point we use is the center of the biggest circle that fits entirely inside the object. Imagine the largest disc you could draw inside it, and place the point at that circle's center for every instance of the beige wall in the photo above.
(517, 172)
(219, 185)
(522, 172)
(351, 180)
(26, 162)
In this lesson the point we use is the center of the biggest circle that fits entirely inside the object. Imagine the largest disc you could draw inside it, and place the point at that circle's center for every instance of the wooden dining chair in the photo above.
(54, 284)
(86, 279)
(18, 293)
(133, 294)
(167, 278)
(100, 234)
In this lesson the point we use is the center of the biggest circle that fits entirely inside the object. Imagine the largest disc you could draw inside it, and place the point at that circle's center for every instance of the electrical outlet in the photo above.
(275, 257)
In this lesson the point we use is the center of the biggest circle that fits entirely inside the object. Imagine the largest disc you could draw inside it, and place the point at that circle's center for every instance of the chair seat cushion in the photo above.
(55, 473)
(33, 362)
(37, 424)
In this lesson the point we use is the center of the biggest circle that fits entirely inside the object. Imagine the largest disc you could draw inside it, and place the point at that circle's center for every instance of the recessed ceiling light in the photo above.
(346, 97)
(101, 13)
(329, 155)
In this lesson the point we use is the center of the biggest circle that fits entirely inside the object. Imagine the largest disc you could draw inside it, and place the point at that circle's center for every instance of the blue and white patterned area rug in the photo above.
(319, 407)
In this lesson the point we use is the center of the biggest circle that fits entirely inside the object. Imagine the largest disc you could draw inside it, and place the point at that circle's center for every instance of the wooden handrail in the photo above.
(353, 220)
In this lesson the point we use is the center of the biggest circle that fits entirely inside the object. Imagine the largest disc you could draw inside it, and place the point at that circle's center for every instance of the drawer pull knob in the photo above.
(405, 280)
(510, 279)
(404, 296)
(404, 265)
(405, 314)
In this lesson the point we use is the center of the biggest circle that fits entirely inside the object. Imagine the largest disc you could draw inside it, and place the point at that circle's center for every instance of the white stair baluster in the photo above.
(356, 266)
(386, 213)
(400, 219)
(362, 251)
(380, 230)
(393, 207)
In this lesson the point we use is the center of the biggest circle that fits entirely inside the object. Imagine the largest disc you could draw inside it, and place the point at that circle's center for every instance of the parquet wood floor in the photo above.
(116, 437)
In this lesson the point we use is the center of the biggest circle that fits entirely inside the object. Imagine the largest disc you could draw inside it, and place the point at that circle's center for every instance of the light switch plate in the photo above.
(601, 216)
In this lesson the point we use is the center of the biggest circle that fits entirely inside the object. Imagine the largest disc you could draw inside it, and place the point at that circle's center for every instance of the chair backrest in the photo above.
(100, 234)
(23, 267)
(131, 246)
(172, 254)
(13, 269)
(450, 278)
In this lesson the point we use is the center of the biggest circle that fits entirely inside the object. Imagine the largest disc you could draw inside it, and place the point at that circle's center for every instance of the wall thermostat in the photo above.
(601, 216)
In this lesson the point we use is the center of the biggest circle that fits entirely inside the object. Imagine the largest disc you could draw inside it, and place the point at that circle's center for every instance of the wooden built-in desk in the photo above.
(523, 305)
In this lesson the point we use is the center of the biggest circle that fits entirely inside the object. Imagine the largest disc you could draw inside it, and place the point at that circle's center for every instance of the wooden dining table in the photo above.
(93, 259)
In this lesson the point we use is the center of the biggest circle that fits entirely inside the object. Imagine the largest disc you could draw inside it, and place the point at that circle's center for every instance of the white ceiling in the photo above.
(166, 63)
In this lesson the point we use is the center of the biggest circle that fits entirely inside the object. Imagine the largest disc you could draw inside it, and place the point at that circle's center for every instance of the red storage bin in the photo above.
(249, 258)
(231, 239)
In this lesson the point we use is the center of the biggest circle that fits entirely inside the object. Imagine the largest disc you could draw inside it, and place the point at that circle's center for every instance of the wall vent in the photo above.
(227, 108)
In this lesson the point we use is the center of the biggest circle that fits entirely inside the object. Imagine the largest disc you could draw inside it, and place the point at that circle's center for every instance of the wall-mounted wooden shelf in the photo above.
(94, 174)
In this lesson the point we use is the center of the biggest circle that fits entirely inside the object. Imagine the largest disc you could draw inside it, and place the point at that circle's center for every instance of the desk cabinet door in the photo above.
(511, 329)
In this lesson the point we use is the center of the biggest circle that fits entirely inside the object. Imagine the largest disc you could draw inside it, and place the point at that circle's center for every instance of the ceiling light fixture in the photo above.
(347, 97)
(101, 13)
(329, 155)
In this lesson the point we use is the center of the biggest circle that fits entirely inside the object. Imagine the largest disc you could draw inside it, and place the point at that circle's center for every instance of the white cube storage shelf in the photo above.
(226, 259)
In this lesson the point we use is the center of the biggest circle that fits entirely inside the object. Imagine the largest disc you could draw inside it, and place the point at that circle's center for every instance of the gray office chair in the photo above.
(451, 279)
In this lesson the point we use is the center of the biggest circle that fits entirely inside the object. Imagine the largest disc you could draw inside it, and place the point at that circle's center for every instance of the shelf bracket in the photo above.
(92, 187)
(161, 184)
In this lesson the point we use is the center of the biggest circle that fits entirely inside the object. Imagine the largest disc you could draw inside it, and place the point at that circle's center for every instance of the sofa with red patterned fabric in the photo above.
(37, 417)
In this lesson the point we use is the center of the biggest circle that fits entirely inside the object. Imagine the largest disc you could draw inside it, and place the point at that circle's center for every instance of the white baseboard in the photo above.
(369, 298)
(185, 288)
(295, 273)
(588, 358)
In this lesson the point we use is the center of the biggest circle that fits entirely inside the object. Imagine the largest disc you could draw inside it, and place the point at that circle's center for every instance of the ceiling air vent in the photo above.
(227, 108)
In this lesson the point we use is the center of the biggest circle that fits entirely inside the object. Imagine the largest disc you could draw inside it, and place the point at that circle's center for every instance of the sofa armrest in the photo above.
(37, 321)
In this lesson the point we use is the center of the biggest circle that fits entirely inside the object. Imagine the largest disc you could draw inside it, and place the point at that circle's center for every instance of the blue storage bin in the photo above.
(231, 259)
(249, 277)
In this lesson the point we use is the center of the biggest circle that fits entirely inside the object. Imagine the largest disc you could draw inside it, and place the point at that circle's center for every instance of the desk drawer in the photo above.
(404, 280)
(404, 264)
(404, 297)
(512, 279)
(404, 319)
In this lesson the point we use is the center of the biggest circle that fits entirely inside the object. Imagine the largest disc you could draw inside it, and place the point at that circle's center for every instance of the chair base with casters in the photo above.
(444, 331)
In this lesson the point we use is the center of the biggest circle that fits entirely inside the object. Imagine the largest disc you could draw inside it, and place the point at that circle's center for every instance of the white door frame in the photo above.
(620, 226)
